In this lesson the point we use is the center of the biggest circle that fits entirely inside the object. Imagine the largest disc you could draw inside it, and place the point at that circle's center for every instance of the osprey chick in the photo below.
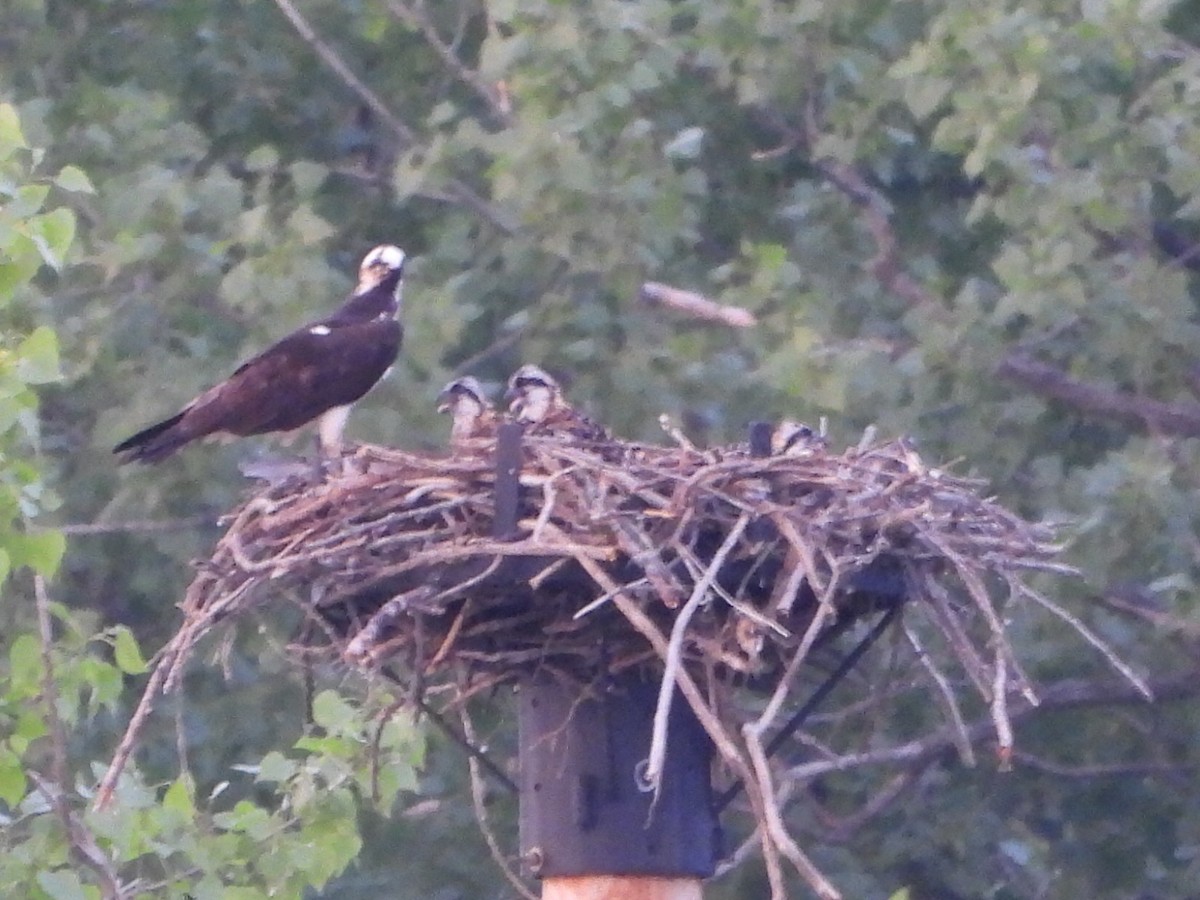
(791, 438)
(536, 400)
(470, 409)
(317, 371)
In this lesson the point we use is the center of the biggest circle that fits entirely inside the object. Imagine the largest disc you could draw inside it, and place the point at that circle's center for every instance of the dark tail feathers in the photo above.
(150, 445)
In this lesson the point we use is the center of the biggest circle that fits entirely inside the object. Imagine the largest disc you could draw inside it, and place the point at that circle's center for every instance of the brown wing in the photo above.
(566, 419)
(287, 385)
(297, 379)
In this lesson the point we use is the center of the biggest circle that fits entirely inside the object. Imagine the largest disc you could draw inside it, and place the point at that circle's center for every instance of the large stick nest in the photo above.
(397, 557)
(717, 574)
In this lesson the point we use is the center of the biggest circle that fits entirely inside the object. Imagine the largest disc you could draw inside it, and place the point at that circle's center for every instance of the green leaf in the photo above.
(11, 137)
(126, 652)
(246, 818)
(333, 713)
(503, 10)
(105, 680)
(28, 201)
(37, 357)
(241, 892)
(12, 778)
(308, 226)
(308, 177)
(326, 746)
(56, 231)
(262, 158)
(276, 767)
(64, 884)
(74, 179)
(42, 551)
(30, 726)
(178, 797)
(333, 842)
(687, 144)
(19, 268)
(24, 667)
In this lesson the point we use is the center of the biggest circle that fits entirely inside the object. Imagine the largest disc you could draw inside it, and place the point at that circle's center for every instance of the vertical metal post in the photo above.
(760, 439)
(508, 480)
(584, 816)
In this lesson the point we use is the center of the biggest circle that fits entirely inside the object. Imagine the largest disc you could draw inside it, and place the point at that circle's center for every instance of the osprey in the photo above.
(792, 438)
(317, 371)
(470, 409)
(536, 400)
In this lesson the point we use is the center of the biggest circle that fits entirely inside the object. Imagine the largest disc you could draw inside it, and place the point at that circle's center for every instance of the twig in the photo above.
(999, 708)
(339, 68)
(886, 266)
(965, 751)
(82, 843)
(419, 20)
(695, 305)
(674, 658)
(1065, 694)
(465, 743)
(645, 626)
(479, 802)
(775, 826)
(842, 828)
(135, 526)
(465, 194)
(1101, 770)
(825, 609)
(54, 724)
(1086, 633)
(129, 740)
(1138, 410)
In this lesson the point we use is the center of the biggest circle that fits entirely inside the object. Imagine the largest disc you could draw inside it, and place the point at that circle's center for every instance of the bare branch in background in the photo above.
(84, 848)
(1046, 380)
(462, 192)
(416, 16)
(334, 62)
(695, 305)
(1066, 694)
(479, 802)
(136, 526)
(886, 266)
(1102, 770)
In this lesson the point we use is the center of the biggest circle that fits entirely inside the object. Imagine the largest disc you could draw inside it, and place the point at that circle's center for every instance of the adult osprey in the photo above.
(317, 371)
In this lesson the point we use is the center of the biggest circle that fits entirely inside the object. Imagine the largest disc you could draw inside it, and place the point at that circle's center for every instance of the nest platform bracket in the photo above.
(583, 811)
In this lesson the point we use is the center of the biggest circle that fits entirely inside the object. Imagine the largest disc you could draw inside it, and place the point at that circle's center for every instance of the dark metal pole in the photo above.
(583, 811)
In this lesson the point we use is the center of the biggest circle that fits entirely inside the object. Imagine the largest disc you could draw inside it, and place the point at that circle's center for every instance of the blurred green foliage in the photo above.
(909, 196)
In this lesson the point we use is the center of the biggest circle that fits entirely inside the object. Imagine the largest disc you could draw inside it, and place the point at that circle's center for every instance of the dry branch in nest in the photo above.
(717, 573)
(736, 557)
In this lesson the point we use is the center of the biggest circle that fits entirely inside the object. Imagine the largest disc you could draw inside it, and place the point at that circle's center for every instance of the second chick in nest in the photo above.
(792, 438)
(536, 400)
